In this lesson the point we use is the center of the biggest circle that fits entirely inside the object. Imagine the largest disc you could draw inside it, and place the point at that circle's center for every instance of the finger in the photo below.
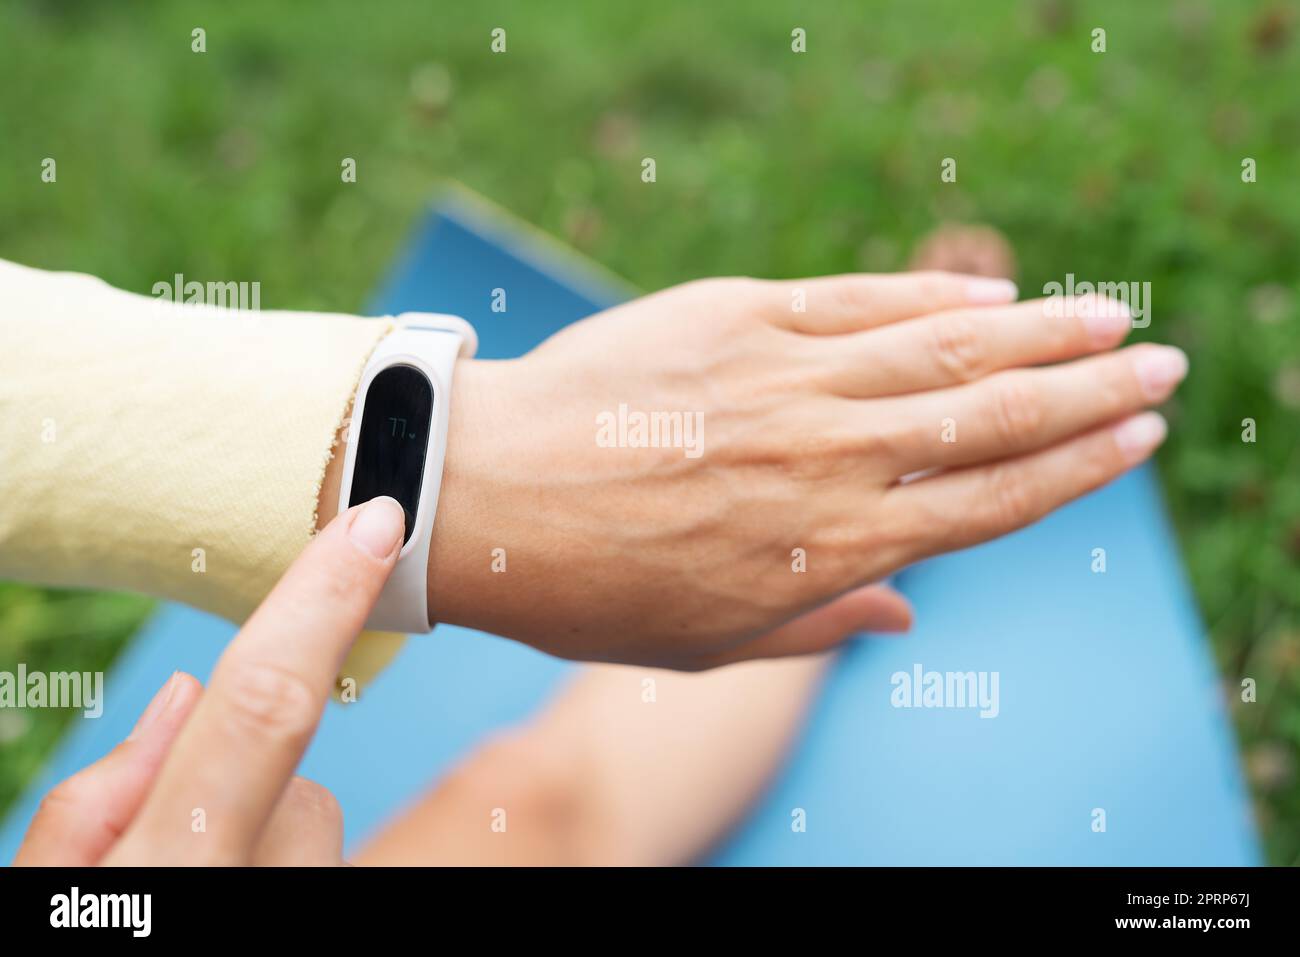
(961, 345)
(956, 509)
(240, 747)
(874, 608)
(1010, 413)
(82, 817)
(832, 305)
(305, 829)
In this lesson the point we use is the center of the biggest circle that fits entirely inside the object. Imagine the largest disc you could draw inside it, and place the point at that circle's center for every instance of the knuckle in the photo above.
(815, 456)
(68, 795)
(849, 296)
(1099, 460)
(1120, 388)
(889, 440)
(1011, 498)
(79, 798)
(959, 347)
(1113, 394)
(271, 703)
(339, 589)
(731, 300)
(1017, 411)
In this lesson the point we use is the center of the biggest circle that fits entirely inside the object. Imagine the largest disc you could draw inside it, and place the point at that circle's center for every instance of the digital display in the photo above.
(394, 436)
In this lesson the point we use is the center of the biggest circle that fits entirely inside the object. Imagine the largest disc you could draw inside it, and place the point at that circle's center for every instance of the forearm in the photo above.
(190, 453)
(626, 766)
(153, 447)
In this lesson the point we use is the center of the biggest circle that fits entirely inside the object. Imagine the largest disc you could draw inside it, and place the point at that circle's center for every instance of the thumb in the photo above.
(876, 608)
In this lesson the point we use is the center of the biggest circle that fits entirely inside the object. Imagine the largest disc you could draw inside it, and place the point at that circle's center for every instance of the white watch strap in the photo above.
(431, 343)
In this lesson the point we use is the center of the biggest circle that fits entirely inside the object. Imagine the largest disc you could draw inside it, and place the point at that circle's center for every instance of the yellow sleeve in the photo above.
(167, 449)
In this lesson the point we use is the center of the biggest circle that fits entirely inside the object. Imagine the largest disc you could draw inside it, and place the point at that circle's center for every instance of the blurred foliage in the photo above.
(1124, 165)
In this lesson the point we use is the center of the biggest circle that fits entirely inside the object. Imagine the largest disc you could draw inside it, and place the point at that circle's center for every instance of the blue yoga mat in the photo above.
(1107, 697)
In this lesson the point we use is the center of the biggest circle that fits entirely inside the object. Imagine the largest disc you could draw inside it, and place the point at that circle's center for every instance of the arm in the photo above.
(806, 424)
(607, 776)
(177, 451)
(135, 431)
(794, 428)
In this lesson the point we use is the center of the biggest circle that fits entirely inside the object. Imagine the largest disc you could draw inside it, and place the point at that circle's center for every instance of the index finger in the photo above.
(239, 749)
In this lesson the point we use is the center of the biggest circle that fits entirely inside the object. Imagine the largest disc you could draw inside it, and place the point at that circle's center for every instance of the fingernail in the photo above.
(1138, 437)
(1159, 370)
(377, 526)
(157, 705)
(1107, 321)
(984, 291)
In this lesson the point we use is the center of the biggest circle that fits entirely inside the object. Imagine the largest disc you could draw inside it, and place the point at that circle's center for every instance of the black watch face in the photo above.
(394, 436)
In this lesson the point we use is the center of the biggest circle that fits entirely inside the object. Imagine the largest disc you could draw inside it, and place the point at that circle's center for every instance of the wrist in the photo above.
(473, 511)
(469, 522)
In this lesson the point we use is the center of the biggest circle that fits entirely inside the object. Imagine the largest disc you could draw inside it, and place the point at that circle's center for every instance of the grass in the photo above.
(1123, 165)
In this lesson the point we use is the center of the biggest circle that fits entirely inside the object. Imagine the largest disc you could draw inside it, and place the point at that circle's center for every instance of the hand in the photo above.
(226, 756)
(811, 419)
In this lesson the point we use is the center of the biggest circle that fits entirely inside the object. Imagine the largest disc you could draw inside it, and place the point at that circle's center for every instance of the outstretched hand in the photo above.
(673, 480)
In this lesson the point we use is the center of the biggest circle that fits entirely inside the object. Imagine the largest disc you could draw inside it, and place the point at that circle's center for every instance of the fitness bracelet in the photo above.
(397, 441)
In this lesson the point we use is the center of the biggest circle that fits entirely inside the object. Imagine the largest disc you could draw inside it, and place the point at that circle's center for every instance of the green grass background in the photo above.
(1123, 165)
